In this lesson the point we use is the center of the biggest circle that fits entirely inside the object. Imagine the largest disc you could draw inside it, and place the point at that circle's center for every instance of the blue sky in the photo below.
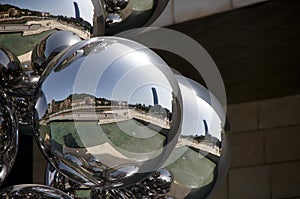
(56, 7)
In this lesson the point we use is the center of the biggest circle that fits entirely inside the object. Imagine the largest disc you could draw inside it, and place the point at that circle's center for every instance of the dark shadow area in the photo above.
(256, 49)
(21, 172)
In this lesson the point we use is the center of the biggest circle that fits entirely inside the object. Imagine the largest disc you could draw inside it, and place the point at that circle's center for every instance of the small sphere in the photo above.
(49, 47)
(113, 19)
(8, 136)
(117, 5)
(33, 191)
(107, 112)
(11, 71)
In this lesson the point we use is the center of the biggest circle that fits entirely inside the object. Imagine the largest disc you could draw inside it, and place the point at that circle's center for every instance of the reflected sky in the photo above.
(195, 112)
(121, 78)
(56, 7)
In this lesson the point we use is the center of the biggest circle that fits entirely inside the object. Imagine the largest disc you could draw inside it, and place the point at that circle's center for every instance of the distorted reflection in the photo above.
(11, 71)
(32, 191)
(123, 15)
(101, 118)
(8, 135)
(195, 160)
(49, 47)
(35, 16)
(154, 187)
(193, 167)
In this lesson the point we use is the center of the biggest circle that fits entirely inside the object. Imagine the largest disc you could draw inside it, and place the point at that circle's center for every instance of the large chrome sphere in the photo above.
(107, 112)
(197, 165)
(49, 47)
(199, 161)
(8, 136)
(11, 71)
(33, 191)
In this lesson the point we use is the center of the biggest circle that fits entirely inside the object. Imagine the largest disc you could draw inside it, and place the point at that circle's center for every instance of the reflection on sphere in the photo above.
(8, 136)
(49, 47)
(32, 191)
(107, 112)
(11, 71)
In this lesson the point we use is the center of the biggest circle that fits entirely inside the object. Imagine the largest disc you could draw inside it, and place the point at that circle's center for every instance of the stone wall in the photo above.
(265, 158)
(178, 11)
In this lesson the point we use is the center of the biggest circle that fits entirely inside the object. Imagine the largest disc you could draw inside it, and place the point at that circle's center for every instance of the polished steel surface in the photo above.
(116, 5)
(86, 18)
(196, 165)
(11, 71)
(107, 112)
(34, 16)
(32, 191)
(199, 159)
(49, 47)
(8, 135)
(122, 15)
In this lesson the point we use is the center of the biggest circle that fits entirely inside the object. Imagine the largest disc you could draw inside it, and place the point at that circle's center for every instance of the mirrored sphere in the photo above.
(116, 5)
(32, 191)
(122, 15)
(11, 71)
(196, 166)
(107, 112)
(8, 136)
(49, 47)
(34, 17)
(199, 161)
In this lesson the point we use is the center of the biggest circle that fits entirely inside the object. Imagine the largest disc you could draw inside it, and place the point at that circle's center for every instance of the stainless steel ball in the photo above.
(49, 47)
(32, 191)
(117, 5)
(8, 136)
(199, 161)
(33, 17)
(11, 71)
(107, 112)
(113, 19)
(130, 14)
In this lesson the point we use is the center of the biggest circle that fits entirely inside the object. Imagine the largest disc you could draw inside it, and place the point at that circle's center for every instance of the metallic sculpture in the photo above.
(121, 15)
(11, 71)
(111, 117)
(49, 47)
(196, 165)
(34, 17)
(8, 135)
(102, 88)
(32, 191)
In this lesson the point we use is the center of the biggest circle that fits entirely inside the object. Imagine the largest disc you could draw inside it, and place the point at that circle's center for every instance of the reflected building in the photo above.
(77, 12)
(155, 97)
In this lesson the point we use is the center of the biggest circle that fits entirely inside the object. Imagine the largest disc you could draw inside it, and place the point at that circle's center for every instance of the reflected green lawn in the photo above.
(89, 134)
(192, 169)
(19, 44)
